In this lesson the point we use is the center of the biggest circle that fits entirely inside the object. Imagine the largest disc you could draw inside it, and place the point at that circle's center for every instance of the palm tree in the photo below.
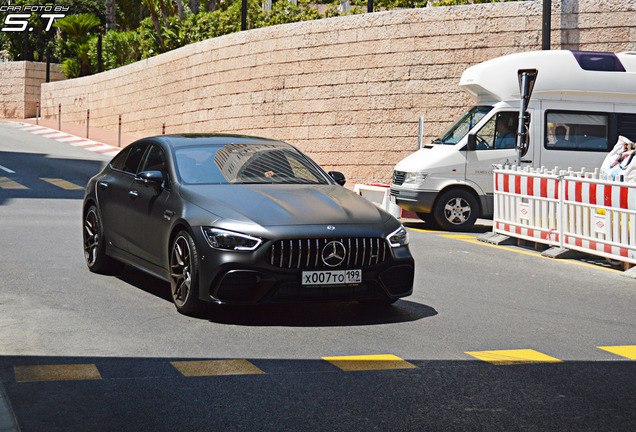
(77, 28)
(155, 19)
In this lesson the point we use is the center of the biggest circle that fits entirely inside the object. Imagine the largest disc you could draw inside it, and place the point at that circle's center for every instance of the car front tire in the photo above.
(95, 244)
(184, 274)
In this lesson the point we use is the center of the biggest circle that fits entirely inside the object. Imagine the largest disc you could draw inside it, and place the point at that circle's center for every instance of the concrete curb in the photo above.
(67, 138)
(8, 422)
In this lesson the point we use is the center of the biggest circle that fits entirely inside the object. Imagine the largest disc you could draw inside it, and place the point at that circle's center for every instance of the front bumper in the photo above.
(244, 278)
(419, 201)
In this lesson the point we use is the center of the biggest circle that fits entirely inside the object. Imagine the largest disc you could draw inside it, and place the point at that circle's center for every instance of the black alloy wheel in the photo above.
(95, 245)
(184, 271)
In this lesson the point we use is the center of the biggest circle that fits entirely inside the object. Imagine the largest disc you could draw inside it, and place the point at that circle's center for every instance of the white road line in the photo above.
(42, 132)
(83, 142)
(69, 139)
(32, 128)
(7, 170)
(55, 135)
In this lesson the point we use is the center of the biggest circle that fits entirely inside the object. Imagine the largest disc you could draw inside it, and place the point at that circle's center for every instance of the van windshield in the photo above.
(463, 125)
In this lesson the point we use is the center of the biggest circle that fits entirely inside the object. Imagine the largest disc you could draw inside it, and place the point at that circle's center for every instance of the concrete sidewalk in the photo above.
(104, 136)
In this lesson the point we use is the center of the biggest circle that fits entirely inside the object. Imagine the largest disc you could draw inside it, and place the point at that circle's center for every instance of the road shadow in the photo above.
(480, 227)
(155, 394)
(318, 314)
(30, 170)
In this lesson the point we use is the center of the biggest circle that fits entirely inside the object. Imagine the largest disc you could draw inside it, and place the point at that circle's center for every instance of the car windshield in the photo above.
(463, 125)
(273, 163)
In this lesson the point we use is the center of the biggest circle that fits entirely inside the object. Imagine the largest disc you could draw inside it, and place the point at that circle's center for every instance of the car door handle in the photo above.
(133, 194)
(102, 185)
(526, 161)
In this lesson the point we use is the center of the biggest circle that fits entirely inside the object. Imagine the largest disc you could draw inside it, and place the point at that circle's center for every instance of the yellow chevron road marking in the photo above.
(517, 356)
(369, 362)
(7, 183)
(628, 351)
(216, 367)
(67, 185)
(56, 373)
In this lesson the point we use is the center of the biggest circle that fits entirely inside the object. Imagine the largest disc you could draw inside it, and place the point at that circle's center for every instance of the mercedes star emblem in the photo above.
(334, 253)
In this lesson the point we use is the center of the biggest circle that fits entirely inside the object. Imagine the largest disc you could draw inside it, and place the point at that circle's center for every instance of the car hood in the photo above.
(274, 205)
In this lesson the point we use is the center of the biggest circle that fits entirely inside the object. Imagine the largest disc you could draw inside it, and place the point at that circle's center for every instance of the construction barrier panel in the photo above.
(571, 210)
(380, 195)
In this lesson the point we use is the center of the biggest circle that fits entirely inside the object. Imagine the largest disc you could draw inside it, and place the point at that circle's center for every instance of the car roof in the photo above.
(194, 139)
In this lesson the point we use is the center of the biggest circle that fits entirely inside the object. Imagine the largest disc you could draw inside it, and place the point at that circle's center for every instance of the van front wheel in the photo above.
(456, 210)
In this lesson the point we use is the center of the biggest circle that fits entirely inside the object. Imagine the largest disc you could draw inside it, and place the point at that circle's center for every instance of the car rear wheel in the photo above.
(95, 244)
(184, 274)
(456, 210)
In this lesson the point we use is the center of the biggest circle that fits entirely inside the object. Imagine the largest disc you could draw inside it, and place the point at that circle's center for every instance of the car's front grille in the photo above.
(308, 253)
(398, 177)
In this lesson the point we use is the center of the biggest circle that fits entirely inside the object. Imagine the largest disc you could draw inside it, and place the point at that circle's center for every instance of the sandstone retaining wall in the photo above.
(20, 87)
(346, 90)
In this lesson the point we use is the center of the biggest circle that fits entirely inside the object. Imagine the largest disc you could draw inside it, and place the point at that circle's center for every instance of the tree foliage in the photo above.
(149, 27)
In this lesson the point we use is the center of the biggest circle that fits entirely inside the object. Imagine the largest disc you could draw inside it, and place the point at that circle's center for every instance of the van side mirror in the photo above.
(338, 177)
(472, 142)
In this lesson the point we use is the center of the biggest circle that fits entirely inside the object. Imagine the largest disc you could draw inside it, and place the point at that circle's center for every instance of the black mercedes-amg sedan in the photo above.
(241, 220)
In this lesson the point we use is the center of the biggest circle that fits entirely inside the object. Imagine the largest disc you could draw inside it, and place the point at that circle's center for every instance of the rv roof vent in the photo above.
(604, 62)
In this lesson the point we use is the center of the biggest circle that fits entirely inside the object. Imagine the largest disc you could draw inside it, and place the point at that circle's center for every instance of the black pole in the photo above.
(547, 18)
(99, 53)
(48, 65)
(369, 6)
(244, 15)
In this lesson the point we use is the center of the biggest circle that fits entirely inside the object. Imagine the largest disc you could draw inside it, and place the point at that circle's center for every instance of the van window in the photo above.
(577, 131)
(627, 126)
(499, 132)
(463, 125)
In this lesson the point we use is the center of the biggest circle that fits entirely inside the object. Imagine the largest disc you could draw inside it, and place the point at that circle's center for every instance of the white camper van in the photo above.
(580, 104)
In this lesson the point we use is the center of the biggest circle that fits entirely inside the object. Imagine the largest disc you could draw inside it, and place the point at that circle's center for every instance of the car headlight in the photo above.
(415, 177)
(399, 237)
(228, 240)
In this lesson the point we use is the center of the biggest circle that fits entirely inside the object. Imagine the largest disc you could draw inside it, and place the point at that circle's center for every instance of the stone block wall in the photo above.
(348, 91)
(20, 87)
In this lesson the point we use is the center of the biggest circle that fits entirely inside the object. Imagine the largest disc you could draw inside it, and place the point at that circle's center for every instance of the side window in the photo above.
(577, 131)
(499, 132)
(119, 161)
(156, 161)
(128, 159)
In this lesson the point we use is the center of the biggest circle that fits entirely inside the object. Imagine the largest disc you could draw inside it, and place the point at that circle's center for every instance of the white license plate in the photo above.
(332, 277)
(393, 200)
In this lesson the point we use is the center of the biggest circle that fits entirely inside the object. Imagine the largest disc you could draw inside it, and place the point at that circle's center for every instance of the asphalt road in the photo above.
(84, 352)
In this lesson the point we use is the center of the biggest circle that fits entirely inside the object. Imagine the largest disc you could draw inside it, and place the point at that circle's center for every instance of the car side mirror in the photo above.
(472, 142)
(338, 177)
(150, 178)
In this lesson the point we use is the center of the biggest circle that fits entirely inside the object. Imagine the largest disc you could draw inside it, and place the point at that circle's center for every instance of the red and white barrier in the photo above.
(526, 206)
(571, 210)
(601, 217)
